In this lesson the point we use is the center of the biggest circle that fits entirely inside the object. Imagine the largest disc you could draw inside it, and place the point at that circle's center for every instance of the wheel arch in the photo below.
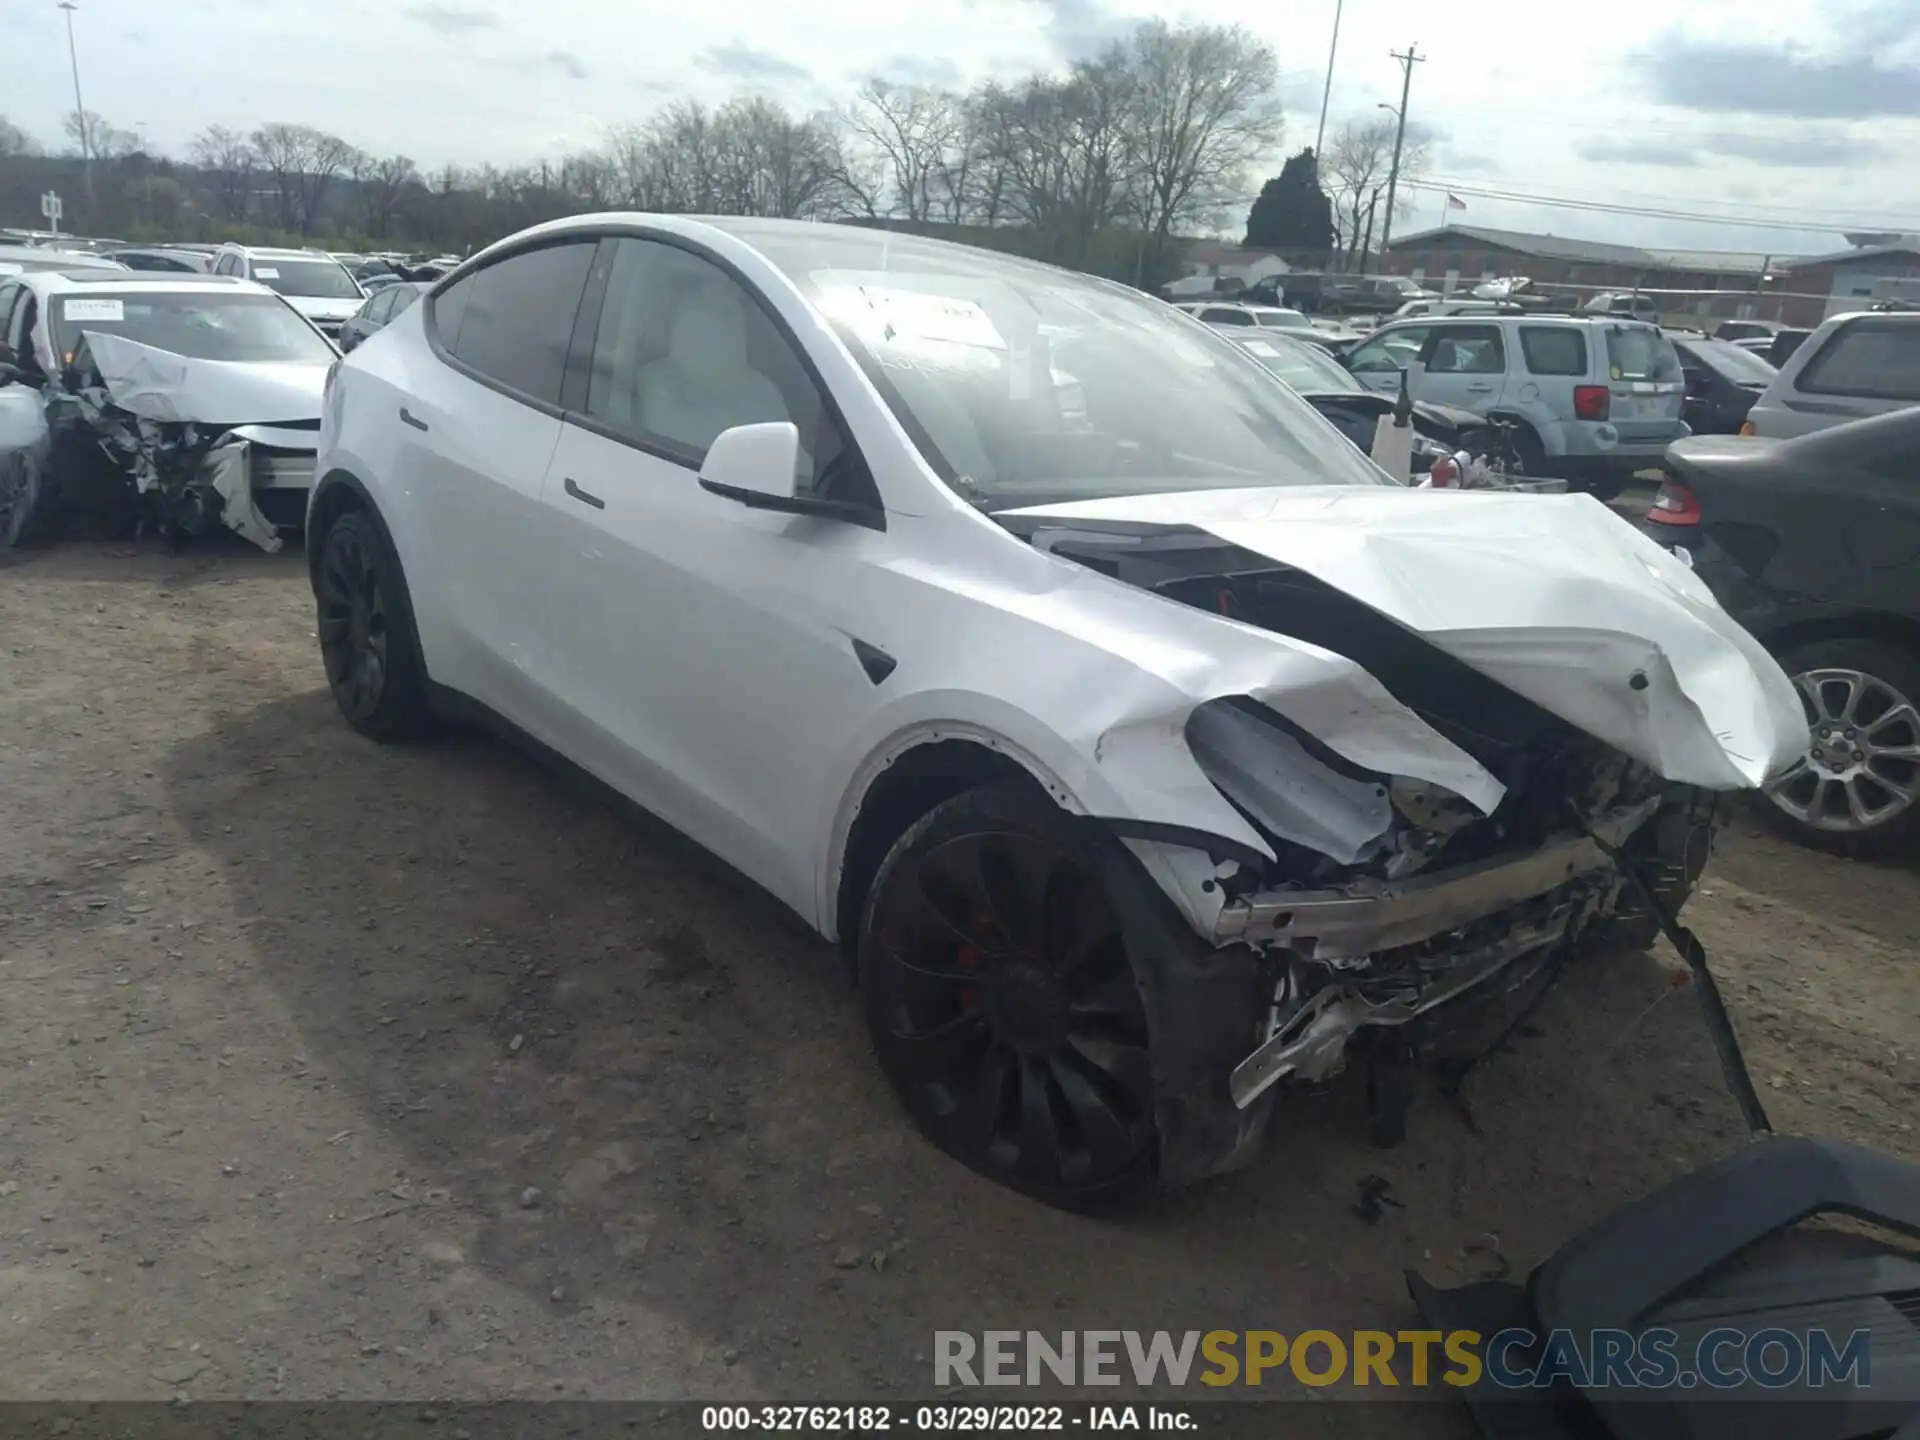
(1884, 626)
(335, 494)
(901, 782)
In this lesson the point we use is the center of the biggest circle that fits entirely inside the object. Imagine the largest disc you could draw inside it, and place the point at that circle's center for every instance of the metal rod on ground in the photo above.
(1407, 62)
(1326, 94)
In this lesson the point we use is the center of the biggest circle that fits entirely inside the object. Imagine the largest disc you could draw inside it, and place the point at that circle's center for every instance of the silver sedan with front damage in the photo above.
(186, 403)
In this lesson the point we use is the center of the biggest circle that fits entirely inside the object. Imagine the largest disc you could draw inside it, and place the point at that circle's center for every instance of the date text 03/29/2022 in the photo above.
(943, 1418)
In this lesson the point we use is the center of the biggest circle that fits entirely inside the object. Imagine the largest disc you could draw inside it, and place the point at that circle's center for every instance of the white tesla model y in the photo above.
(1143, 743)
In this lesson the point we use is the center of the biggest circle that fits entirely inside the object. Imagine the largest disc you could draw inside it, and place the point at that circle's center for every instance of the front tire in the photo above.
(24, 500)
(1002, 1003)
(367, 639)
(1857, 792)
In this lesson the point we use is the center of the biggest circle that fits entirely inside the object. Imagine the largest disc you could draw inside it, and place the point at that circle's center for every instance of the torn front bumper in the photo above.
(1488, 915)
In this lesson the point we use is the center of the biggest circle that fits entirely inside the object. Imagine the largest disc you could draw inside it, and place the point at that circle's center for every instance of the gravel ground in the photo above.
(340, 1071)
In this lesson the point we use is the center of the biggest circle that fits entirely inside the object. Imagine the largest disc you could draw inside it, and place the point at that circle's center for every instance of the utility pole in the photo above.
(1407, 61)
(79, 107)
(1320, 136)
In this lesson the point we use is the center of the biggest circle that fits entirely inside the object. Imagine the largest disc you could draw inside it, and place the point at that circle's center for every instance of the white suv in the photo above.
(1853, 366)
(312, 281)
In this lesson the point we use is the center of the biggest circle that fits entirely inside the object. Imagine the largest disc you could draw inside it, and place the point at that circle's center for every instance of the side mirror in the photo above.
(753, 465)
(753, 462)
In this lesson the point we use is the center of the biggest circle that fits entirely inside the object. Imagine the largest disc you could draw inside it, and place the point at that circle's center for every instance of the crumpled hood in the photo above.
(315, 308)
(161, 385)
(1553, 596)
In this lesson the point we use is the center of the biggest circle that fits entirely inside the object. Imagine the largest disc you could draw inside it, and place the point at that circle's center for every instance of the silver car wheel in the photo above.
(1863, 768)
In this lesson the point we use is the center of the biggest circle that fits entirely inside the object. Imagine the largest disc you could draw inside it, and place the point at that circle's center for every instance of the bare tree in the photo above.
(327, 155)
(92, 135)
(282, 152)
(1357, 163)
(1206, 110)
(913, 130)
(227, 158)
(380, 182)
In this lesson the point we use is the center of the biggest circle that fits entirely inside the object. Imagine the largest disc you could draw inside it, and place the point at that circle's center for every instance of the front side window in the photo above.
(518, 317)
(1875, 361)
(683, 352)
(1024, 385)
(201, 324)
(1468, 350)
(1391, 351)
(403, 296)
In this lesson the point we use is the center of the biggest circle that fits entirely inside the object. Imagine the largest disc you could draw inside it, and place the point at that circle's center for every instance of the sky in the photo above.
(1789, 118)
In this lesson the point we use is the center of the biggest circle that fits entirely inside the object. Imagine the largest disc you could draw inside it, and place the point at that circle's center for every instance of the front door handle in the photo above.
(407, 417)
(1480, 389)
(583, 497)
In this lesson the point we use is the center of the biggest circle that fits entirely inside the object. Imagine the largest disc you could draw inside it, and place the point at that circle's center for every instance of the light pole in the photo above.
(79, 105)
(1407, 62)
(1320, 136)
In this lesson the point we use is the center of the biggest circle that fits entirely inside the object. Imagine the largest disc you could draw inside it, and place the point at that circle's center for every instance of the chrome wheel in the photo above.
(1863, 768)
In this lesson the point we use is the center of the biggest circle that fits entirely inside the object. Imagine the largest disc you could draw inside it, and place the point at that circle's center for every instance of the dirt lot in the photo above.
(340, 1071)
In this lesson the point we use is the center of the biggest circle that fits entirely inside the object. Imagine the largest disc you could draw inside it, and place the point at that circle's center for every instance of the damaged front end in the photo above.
(1399, 916)
(136, 451)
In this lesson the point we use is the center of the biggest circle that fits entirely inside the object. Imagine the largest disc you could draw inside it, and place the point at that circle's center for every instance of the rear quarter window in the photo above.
(1641, 354)
(1875, 361)
(1554, 349)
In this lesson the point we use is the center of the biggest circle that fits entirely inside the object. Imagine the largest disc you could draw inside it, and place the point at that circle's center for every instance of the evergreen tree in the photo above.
(1293, 212)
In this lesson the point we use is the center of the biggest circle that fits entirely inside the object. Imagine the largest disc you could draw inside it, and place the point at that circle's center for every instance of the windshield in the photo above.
(1305, 367)
(309, 279)
(1641, 353)
(1025, 385)
(1741, 366)
(207, 324)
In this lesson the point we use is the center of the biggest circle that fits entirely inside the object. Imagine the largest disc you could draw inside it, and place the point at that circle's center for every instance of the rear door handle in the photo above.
(407, 417)
(583, 497)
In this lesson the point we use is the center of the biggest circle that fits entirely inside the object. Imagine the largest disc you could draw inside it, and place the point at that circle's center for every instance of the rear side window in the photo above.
(1226, 317)
(1554, 349)
(1468, 350)
(403, 296)
(518, 317)
(1639, 354)
(1876, 361)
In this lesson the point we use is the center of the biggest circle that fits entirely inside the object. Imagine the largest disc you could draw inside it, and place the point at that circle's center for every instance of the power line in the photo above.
(1752, 222)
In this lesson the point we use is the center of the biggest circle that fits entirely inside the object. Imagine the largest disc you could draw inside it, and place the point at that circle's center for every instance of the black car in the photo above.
(1723, 381)
(1813, 544)
(162, 260)
(383, 305)
(1786, 340)
(1369, 294)
(1745, 330)
(1355, 411)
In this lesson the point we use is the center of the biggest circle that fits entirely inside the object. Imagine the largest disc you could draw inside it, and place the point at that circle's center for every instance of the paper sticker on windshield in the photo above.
(1259, 347)
(111, 311)
(891, 313)
(264, 272)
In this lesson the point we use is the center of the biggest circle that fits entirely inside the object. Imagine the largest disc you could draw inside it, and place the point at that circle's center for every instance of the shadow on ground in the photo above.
(527, 987)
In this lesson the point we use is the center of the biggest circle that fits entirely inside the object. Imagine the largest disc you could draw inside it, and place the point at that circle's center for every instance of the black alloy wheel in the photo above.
(1002, 1002)
(366, 632)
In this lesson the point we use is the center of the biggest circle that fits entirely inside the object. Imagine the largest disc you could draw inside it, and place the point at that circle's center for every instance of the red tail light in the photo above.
(1592, 402)
(1674, 505)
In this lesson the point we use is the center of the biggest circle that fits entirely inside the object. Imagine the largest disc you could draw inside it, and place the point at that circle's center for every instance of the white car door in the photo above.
(479, 416)
(708, 667)
(1377, 362)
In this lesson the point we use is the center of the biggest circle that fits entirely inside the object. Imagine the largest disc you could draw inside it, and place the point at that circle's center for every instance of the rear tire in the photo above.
(1864, 800)
(367, 638)
(1001, 1001)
